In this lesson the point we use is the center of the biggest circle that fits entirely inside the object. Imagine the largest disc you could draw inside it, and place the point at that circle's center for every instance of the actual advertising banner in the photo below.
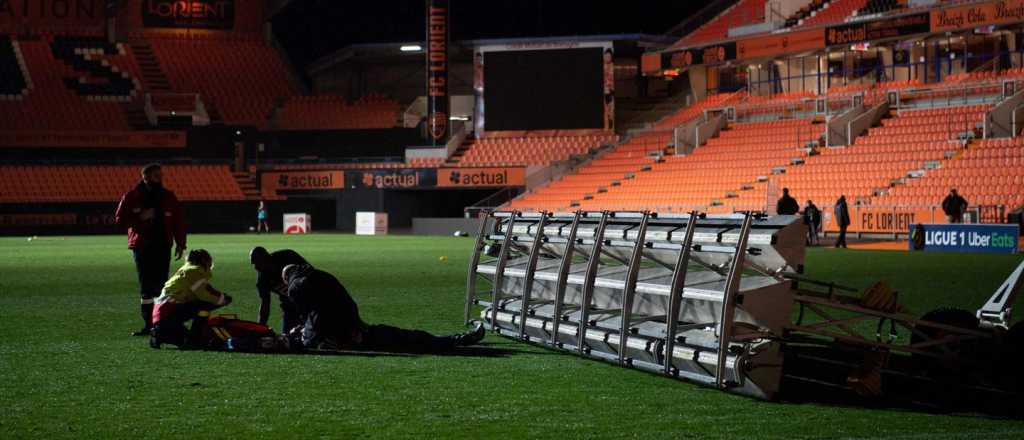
(480, 177)
(400, 178)
(969, 17)
(271, 183)
(772, 45)
(190, 14)
(877, 29)
(708, 55)
(970, 238)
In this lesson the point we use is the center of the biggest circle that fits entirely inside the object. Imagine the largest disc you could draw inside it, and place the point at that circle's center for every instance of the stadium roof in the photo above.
(392, 50)
(312, 29)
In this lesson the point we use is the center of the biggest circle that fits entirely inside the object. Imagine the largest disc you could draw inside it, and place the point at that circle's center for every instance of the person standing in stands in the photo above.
(261, 218)
(954, 206)
(786, 205)
(842, 213)
(154, 218)
(812, 218)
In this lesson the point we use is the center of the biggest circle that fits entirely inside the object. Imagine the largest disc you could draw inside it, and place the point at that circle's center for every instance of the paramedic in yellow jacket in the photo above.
(187, 296)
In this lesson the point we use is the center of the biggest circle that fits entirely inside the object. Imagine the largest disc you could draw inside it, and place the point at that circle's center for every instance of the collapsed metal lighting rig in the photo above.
(717, 300)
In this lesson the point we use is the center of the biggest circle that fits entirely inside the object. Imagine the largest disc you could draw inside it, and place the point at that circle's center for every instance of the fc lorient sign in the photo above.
(438, 24)
(992, 239)
(202, 14)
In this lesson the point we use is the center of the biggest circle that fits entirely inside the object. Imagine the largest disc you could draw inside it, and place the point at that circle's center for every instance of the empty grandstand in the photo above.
(883, 102)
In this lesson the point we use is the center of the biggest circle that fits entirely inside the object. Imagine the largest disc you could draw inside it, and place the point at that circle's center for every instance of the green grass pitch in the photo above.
(68, 368)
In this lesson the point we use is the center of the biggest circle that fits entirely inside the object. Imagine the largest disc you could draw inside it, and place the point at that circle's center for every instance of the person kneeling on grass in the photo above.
(330, 320)
(187, 296)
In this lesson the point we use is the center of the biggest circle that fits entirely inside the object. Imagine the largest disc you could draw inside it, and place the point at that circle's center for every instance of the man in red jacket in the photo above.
(154, 219)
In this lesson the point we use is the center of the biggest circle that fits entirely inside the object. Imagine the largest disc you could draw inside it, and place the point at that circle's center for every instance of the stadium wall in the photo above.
(366, 143)
(443, 226)
(401, 206)
(402, 81)
(200, 217)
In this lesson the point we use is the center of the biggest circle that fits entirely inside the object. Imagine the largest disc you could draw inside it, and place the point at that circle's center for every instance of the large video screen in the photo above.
(544, 89)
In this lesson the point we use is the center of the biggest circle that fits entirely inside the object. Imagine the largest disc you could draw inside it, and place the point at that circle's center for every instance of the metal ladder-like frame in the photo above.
(563, 274)
(499, 272)
(506, 235)
(588, 284)
(629, 293)
(531, 266)
(474, 264)
(728, 315)
(677, 287)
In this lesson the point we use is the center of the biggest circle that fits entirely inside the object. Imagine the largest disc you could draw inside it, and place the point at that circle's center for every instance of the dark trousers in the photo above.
(393, 339)
(171, 326)
(841, 241)
(151, 265)
(290, 318)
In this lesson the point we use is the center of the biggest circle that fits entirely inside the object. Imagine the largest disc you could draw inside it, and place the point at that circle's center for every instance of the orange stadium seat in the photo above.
(51, 103)
(106, 183)
(988, 172)
(886, 153)
(332, 113)
(834, 11)
(528, 150)
(715, 172)
(743, 13)
(612, 167)
(242, 79)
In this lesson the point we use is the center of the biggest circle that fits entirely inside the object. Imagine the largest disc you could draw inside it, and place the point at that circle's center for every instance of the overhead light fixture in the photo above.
(410, 48)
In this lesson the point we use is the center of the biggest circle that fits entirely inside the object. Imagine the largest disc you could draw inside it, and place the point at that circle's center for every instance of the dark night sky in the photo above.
(310, 29)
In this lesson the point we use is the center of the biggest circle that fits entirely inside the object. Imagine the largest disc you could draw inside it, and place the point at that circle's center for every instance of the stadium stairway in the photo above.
(247, 184)
(882, 161)
(153, 76)
(730, 166)
(988, 172)
(153, 80)
(610, 168)
(744, 12)
(833, 12)
(641, 113)
(456, 156)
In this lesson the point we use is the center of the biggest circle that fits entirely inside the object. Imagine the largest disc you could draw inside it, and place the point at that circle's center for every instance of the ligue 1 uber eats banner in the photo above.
(401, 178)
(990, 239)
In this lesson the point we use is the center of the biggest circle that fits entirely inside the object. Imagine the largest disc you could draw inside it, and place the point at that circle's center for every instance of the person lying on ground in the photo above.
(330, 320)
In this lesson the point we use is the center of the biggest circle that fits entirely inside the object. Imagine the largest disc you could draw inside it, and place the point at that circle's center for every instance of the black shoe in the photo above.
(144, 332)
(472, 337)
(154, 342)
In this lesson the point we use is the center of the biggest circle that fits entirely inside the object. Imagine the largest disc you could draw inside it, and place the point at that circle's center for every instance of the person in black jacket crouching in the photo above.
(329, 320)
